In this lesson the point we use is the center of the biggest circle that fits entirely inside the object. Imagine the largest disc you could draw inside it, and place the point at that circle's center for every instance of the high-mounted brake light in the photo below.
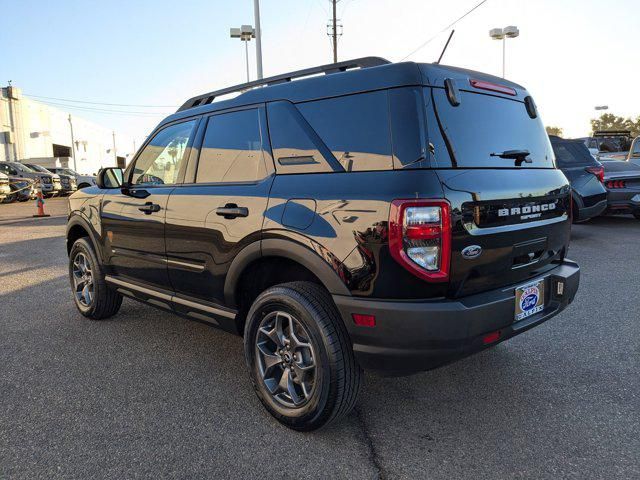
(420, 237)
(493, 87)
(597, 171)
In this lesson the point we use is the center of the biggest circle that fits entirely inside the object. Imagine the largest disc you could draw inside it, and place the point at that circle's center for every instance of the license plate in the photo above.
(529, 300)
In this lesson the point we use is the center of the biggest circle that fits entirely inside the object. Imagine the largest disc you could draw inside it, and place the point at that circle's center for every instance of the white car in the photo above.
(83, 181)
(5, 189)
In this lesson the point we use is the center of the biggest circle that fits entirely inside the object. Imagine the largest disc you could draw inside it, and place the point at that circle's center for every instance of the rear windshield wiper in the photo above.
(518, 155)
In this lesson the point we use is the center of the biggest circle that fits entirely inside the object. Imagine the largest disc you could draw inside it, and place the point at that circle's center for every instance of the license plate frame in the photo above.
(529, 300)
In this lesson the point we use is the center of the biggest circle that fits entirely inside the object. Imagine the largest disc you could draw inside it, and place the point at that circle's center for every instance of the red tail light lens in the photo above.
(597, 171)
(420, 237)
(616, 184)
(493, 87)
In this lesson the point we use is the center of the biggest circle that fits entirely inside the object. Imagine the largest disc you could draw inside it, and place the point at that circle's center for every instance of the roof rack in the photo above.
(363, 62)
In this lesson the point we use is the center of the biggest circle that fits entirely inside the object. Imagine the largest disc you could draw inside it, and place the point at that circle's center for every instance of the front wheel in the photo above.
(299, 356)
(637, 215)
(93, 297)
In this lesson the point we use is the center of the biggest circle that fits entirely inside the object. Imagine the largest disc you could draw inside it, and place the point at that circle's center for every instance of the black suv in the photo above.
(586, 176)
(393, 217)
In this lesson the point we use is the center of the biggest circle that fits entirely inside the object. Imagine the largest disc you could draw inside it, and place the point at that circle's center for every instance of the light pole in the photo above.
(73, 150)
(502, 34)
(244, 33)
(256, 20)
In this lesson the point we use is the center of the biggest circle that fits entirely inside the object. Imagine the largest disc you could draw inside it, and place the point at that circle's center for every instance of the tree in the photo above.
(557, 131)
(609, 121)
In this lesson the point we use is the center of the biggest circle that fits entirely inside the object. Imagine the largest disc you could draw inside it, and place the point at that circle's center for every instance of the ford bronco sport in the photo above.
(390, 217)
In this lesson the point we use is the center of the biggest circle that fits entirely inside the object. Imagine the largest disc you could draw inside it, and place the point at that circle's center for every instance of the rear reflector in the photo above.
(491, 337)
(493, 87)
(364, 320)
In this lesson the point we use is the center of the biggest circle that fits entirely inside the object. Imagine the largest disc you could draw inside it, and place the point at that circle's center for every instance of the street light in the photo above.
(502, 34)
(602, 107)
(244, 33)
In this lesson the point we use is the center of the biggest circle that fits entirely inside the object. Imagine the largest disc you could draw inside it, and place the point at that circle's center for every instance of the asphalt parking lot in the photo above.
(148, 394)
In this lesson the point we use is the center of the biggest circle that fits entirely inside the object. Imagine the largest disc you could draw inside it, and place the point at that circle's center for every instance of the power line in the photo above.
(444, 29)
(103, 103)
(107, 111)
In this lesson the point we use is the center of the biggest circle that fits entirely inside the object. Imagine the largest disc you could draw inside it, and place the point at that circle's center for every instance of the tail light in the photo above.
(597, 171)
(612, 184)
(420, 237)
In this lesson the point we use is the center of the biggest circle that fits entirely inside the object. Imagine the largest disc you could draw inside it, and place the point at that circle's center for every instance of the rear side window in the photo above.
(232, 149)
(482, 125)
(569, 154)
(355, 128)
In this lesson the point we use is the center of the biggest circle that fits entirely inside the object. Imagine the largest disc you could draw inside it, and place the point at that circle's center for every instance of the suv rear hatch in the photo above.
(496, 165)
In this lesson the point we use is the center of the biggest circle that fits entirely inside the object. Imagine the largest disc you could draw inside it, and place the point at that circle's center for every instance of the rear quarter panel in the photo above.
(343, 217)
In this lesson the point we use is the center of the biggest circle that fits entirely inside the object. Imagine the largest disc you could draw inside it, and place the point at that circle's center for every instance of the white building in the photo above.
(34, 132)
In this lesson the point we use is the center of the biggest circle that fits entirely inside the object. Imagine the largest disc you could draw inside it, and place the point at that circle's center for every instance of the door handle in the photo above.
(149, 208)
(231, 210)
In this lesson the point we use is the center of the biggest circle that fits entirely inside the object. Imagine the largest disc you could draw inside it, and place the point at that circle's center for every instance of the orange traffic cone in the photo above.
(40, 205)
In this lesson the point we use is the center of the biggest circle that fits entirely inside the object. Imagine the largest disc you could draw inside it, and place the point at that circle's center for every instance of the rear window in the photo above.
(482, 125)
(569, 154)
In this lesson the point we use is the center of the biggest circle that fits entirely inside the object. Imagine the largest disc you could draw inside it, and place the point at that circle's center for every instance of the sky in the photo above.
(571, 55)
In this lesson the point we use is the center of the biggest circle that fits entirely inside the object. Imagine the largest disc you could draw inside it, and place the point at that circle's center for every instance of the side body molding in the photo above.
(276, 247)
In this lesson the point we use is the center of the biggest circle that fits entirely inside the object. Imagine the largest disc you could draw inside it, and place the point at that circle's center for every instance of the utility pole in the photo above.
(332, 30)
(115, 154)
(73, 149)
(256, 14)
(335, 33)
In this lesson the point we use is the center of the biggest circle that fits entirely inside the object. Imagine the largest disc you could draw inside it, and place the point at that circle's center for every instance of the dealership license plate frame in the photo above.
(521, 313)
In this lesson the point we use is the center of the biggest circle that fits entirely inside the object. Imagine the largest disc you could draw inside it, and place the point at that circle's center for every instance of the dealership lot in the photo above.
(150, 394)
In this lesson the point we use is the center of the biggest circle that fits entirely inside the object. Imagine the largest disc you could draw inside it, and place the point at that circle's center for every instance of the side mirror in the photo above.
(110, 178)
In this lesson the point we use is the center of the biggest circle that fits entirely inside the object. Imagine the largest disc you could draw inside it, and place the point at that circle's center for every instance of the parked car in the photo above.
(612, 144)
(67, 182)
(622, 181)
(586, 176)
(49, 182)
(337, 225)
(5, 189)
(22, 189)
(83, 181)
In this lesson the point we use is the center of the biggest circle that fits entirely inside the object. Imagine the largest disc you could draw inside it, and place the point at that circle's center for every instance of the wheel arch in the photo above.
(292, 262)
(78, 227)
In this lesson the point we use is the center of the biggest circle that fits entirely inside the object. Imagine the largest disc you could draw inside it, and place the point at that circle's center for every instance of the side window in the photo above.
(296, 147)
(161, 159)
(408, 128)
(232, 149)
(355, 128)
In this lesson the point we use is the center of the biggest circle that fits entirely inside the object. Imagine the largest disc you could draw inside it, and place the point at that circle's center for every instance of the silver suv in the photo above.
(50, 182)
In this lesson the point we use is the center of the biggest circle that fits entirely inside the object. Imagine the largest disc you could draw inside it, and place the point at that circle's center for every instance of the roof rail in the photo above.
(363, 62)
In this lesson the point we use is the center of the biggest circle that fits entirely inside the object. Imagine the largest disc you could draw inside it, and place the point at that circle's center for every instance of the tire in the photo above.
(332, 384)
(97, 301)
(637, 215)
(83, 185)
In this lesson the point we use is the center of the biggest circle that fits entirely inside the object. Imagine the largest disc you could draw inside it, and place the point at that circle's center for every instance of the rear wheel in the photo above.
(299, 356)
(92, 296)
(637, 215)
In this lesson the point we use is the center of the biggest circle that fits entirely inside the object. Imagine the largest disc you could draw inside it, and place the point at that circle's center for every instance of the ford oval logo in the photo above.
(472, 251)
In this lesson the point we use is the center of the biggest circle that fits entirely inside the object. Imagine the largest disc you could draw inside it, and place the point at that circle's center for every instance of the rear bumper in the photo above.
(621, 200)
(412, 336)
(585, 213)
